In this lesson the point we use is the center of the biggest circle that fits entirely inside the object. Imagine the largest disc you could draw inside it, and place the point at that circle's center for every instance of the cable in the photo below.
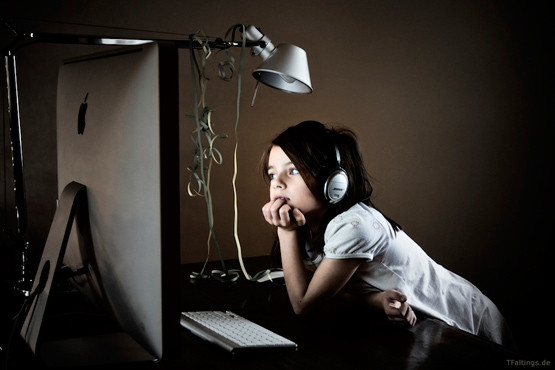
(26, 306)
(199, 151)
(226, 71)
(235, 166)
(257, 276)
(4, 169)
(22, 313)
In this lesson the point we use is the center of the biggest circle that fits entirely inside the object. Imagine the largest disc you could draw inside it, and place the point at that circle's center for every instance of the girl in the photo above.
(320, 202)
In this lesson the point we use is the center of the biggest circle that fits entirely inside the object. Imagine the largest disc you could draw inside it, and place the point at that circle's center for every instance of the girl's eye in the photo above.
(294, 171)
(271, 176)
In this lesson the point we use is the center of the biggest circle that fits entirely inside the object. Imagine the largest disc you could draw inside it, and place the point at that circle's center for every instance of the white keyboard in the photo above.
(231, 331)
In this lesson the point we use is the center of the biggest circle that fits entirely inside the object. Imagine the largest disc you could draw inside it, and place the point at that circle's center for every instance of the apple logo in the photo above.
(81, 119)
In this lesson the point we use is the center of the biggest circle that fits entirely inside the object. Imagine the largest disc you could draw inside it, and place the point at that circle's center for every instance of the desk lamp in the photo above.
(284, 67)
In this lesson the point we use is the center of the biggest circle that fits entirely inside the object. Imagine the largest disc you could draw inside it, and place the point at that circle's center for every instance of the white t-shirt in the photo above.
(394, 261)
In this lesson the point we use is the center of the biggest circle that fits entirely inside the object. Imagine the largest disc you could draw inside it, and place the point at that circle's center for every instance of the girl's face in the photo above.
(287, 183)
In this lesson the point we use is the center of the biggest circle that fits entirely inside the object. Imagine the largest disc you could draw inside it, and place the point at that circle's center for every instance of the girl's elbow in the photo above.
(301, 311)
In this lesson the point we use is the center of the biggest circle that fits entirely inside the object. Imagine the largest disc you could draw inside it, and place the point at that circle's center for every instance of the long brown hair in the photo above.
(310, 147)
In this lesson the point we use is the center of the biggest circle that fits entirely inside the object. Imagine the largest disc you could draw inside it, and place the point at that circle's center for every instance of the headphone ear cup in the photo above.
(336, 185)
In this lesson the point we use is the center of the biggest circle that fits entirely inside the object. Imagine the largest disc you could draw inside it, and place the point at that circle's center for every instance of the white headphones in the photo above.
(337, 183)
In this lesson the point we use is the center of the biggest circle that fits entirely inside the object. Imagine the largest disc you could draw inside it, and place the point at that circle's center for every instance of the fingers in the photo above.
(281, 214)
(395, 295)
(299, 217)
(398, 310)
(401, 314)
(411, 317)
(277, 211)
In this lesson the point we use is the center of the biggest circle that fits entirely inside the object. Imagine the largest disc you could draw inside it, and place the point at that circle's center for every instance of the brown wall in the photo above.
(447, 98)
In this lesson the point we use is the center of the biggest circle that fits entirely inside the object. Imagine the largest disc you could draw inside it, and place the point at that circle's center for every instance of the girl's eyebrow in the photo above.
(284, 165)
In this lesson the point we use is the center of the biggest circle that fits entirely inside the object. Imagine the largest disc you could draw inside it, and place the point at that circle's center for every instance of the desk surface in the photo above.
(345, 340)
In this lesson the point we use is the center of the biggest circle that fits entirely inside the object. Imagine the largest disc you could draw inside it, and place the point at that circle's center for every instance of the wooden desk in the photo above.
(346, 340)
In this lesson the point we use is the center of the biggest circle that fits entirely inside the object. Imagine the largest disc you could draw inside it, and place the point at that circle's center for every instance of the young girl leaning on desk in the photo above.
(356, 252)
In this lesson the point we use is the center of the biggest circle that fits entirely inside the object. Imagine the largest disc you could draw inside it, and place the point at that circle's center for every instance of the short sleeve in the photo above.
(354, 235)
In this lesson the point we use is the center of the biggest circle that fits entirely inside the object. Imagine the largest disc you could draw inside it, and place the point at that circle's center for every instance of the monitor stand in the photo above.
(109, 348)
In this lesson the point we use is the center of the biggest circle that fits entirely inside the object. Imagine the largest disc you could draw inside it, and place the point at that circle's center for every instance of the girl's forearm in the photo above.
(296, 277)
(373, 300)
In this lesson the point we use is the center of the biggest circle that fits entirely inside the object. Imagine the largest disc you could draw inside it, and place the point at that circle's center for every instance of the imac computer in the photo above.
(116, 227)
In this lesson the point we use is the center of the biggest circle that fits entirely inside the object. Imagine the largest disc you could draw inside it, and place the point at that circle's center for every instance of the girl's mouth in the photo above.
(282, 198)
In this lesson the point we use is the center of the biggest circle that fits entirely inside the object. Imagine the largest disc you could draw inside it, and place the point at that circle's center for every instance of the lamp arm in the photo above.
(25, 39)
(264, 50)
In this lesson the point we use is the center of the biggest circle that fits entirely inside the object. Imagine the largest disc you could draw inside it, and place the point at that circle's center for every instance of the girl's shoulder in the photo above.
(357, 231)
(359, 213)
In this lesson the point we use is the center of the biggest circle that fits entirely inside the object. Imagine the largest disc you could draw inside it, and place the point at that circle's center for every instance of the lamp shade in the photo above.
(286, 69)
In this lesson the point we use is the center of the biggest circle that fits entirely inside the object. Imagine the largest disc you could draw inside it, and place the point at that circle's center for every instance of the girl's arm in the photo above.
(392, 302)
(307, 295)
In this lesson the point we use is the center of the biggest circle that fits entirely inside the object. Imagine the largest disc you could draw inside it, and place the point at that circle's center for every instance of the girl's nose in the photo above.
(278, 184)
